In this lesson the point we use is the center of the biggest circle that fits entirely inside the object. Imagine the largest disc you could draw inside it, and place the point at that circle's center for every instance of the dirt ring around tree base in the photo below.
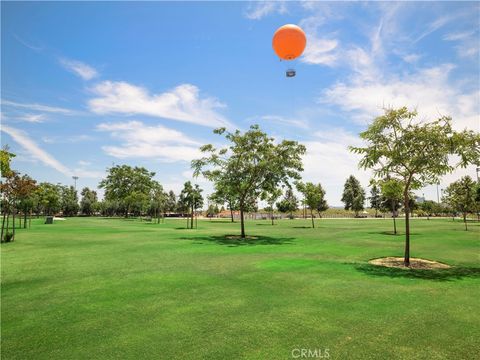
(415, 263)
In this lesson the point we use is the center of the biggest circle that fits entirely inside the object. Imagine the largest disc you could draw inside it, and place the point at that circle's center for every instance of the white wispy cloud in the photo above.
(282, 120)
(143, 141)
(429, 90)
(85, 71)
(34, 118)
(329, 161)
(38, 107)
(27, 44)
(257, 10)
(321, 49)
(34, 150)
(455, 36)
(183, 103)
(468, 43)
(411, 58)
(66, 139)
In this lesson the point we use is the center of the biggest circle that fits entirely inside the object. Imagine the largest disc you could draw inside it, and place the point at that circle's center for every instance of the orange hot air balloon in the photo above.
(289, 41)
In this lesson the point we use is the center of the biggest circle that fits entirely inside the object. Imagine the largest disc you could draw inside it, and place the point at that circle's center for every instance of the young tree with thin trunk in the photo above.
(89, 201)
(415, 152)
(353, 195)
(250, 165)
(460, 195)
(314, 197)
(288, 204)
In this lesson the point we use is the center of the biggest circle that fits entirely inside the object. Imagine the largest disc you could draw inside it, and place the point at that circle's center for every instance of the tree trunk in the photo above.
(394, 223)
(272, 217)
(465, 220)
(231, 213)
(376, 212)
(313, 222)
(25, 218)
(30, 220)
(406, 259)
(191, 223)
(242, 225)
(8, 220)
(3, 223)
(13, 237)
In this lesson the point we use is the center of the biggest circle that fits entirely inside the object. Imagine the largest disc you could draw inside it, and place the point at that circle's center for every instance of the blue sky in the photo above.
(88, 85)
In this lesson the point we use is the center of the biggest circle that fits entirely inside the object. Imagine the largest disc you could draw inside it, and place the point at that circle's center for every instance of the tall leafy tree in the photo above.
(428, 207)
(128, 185)
(89, 202)
(415, 152)
(251, 164)
(190, 200)
(69, 199)
(25, 190)
(5, 159)
(289, 203)
(322, 203)
(16, 192)
(185, 200)
(197, 201)
(171, 202)
(353, 195)
(375, 197)
(313, 197)
(460, 195)
(158, 201)
(48, 198)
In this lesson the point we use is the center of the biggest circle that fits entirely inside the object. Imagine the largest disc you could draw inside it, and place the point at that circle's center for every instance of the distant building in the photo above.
(419, 199)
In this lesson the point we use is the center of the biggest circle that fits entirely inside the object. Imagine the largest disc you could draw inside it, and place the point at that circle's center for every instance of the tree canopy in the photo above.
(460, 195)
(314, 197)
(353, 195)
(251, 164)
(415, 152)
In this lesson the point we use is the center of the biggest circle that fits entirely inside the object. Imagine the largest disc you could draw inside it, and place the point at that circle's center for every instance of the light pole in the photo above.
(438, 198)
(75, 178)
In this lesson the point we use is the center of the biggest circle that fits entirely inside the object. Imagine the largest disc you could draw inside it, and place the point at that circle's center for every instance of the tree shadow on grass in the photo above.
(302, 227)
(235, 240)
(225, 221)
(453, 273)
(399, 233)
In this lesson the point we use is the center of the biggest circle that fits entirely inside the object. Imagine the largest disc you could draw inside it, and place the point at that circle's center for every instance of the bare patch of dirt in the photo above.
(415, 263)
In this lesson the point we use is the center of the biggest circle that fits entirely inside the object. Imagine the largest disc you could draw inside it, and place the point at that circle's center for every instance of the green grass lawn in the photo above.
(89, 288)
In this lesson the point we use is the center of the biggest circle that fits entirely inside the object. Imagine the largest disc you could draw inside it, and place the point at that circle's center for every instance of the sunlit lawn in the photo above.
(92, 288)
